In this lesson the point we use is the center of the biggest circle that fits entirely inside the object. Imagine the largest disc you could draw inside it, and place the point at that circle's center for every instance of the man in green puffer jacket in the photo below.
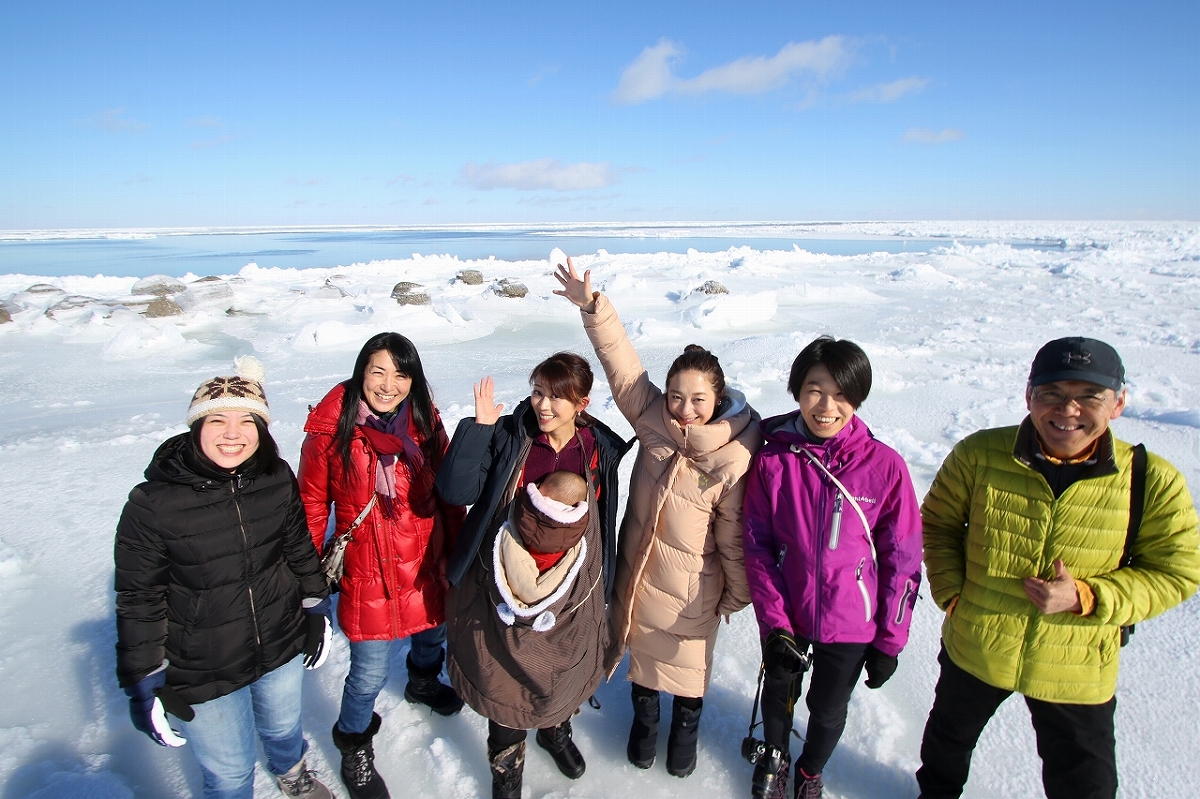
(1025, 530)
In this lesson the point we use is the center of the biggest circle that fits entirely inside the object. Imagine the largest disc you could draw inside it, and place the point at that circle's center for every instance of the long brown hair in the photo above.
(566, 375)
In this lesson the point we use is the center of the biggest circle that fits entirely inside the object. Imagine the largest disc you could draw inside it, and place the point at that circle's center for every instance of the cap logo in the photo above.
(1077, 358)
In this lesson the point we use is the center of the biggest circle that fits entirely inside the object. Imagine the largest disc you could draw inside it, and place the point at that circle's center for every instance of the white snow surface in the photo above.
(91, 387)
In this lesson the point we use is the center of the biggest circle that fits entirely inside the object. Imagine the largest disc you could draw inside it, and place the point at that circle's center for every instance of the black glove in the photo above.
(783, 656)
(149, 699)
(880, 667)
(318, 636)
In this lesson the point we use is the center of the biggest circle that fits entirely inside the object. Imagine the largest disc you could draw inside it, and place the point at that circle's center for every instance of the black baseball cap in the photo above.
(1078, 358)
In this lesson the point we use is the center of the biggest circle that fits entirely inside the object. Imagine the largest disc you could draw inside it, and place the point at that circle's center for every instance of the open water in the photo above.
(223, 253)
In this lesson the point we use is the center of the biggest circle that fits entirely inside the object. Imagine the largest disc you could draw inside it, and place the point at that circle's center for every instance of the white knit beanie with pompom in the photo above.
(241, 392)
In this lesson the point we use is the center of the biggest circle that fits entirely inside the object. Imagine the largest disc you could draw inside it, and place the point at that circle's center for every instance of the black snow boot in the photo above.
(685, 731)
(425, 688)
(770, 774)
(508, 765)
(643, 733)
(358, 762)
(557, 741)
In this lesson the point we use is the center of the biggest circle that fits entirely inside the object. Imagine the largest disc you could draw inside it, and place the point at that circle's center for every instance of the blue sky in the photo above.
(141, 114)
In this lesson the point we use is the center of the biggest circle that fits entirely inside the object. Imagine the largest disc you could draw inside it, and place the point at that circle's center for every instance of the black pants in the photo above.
(1077, 743)
(690, 702)
(501, 737)
(835, 671)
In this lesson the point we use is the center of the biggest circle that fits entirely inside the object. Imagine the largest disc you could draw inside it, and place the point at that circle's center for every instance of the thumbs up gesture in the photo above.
(1056, 595)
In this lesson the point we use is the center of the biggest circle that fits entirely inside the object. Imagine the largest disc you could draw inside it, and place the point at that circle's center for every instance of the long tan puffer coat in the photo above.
(679, 562)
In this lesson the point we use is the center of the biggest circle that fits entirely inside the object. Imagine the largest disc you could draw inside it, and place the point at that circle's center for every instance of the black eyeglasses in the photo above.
(1091, 400)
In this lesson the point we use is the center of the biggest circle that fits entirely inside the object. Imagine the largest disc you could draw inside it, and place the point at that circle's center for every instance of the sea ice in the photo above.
(88, 393)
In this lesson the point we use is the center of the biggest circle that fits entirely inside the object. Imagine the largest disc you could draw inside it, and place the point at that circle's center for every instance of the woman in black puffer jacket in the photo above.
(220, 598)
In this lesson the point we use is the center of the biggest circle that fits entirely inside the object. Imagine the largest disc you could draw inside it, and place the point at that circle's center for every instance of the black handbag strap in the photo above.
(762, 670)
(1137, 504)
(1137, 501)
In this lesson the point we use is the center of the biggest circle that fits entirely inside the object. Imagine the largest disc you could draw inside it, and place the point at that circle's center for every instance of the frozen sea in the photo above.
(950, 314)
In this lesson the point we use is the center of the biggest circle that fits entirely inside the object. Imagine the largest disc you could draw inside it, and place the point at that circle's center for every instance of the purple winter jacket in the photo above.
(808, 559)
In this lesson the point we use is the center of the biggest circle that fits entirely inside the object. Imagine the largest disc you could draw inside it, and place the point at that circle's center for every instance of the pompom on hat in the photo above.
(241, 392)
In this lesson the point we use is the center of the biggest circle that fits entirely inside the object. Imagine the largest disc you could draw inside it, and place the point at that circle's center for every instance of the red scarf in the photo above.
(388, 440)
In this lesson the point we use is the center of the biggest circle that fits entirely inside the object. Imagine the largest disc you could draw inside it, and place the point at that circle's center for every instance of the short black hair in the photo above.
(846, 362)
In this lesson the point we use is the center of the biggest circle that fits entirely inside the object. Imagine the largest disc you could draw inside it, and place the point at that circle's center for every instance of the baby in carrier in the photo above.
(541, 548)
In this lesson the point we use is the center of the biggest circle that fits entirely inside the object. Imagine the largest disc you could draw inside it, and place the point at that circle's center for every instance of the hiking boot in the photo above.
(425, 688)
(643, 733)
(508, 766)
(301, 781)
(808, 787)
(685, 732)
(770, 774)
(359, 776)
(557, 741)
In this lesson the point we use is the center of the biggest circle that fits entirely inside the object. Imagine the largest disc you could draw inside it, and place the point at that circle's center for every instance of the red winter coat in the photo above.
(395, 577)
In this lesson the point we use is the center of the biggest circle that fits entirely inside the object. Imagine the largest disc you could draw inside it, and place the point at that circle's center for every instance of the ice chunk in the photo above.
(733, 311)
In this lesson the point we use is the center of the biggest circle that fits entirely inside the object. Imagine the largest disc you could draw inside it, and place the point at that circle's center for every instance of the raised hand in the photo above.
(577, 291)
(486, 409)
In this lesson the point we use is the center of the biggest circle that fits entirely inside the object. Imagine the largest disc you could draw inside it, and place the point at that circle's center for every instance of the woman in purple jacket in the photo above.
(833, 557)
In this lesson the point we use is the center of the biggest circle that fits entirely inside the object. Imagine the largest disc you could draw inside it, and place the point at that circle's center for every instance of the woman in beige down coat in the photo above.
(679, 563)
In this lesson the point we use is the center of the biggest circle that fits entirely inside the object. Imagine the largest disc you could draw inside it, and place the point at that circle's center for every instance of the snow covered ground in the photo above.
(89, 387)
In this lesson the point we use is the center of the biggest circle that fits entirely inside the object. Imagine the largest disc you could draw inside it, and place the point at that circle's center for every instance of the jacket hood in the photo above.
(734, 402)
(697, 441)
(324, 417)
(175, 461)
(524, 413)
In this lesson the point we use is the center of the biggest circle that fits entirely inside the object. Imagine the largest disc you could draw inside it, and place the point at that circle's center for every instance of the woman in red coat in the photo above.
(372, 451)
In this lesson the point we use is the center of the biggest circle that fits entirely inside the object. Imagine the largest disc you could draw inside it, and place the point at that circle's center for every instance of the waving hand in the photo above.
(486, 409)
(579, 292)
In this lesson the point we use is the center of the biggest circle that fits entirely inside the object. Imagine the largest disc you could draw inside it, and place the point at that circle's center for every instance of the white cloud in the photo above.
(537, 78)
(651, 76)
(927, 136)
(889, 92)
(544, 173)
(114, 121)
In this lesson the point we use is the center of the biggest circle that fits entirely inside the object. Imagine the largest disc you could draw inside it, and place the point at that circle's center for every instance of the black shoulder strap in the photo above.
(1137, 500)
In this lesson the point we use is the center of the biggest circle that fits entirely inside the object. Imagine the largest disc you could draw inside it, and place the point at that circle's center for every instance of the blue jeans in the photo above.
(369, 662)
(222, 734)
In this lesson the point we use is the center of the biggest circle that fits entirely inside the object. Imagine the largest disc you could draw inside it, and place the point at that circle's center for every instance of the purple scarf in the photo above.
(389, 439)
